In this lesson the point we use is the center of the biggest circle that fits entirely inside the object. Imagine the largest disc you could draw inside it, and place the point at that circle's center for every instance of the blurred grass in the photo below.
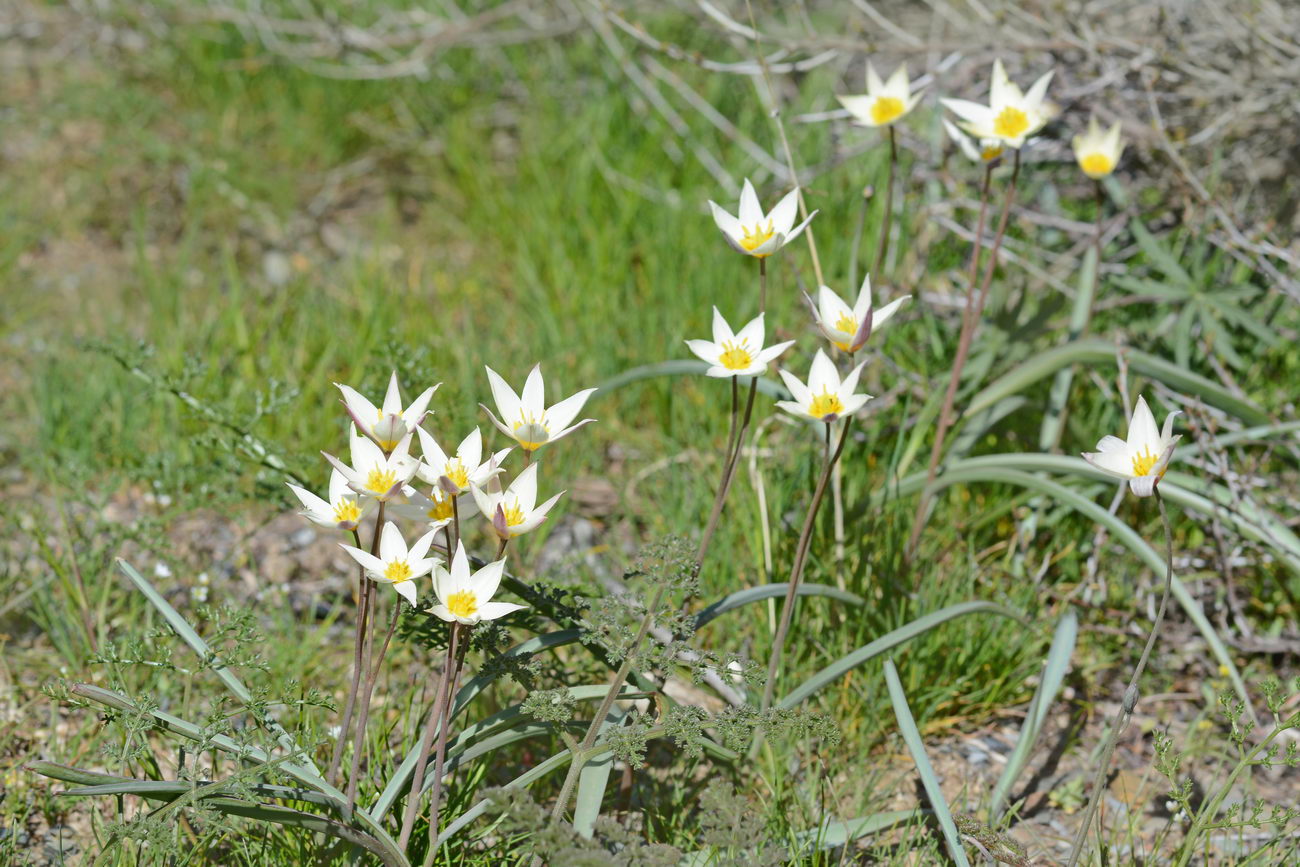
(438, 226)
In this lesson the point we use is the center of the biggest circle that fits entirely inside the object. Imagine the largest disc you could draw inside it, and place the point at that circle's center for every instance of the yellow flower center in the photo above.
(346, 511)
(989, 153)
(1011, 123)
(825, 404)
(441, 510)
(531, 433)
(1143, 461)
(397, 571)
(455, 470)
(756, 237)
(514, 514)
(846, 324)
(381, 480)
(1096, 165)
(735, 355)
(885, 109)
(381, 429)
(462, 604)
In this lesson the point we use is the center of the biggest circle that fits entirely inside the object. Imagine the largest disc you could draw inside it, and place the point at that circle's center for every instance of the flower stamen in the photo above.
(826, 406)
(735, 355)
(346, 511)
(462, 604)
(1143, 462)
(885, 109)
(381, 480)
(1011, 123)
(756, 237)
(397, 571)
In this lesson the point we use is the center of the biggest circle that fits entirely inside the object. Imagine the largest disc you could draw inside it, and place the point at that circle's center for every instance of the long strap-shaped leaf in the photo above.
(770, 591)
(912, 737)
(1095, 350)
(244, 752)
(95, 783)
(1058, 662)
(1118, 528)
(886, 642)
(187, 633)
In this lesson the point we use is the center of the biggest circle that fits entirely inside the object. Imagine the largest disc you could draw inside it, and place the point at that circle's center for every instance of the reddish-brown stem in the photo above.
(969, 324)
(882, 250)
(426, 741)
(440, 753)
(363, 715)
(363, 594)
(800, 559)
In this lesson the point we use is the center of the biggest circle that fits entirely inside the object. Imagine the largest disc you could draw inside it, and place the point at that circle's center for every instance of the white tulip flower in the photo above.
(825, 398)
(525, 417)
(386, 426)
(757, 234)
(466, 598)
(1098, 152)
(1011, 115)
(739, 353)
(511, 511)
(455, 473)
(884, 102)
(435, 509)
(988, 150)
(848, 328)
(1144, 458)
(375, 473)
(396, 564)
(344, 509)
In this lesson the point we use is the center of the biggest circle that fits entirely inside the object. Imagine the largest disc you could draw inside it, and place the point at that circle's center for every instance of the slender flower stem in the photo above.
(1129, 702)
(426, 742)
(363, 601)
(882, 250)
(440, 752)
(800, 559)
(363, 715)
(735, 436)
(501, 549)
(969, 323)
(615, 686)
(455, 526)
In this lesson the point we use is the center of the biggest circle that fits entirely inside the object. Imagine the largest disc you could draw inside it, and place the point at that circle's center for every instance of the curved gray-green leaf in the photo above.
(886, 642)
(770, 591)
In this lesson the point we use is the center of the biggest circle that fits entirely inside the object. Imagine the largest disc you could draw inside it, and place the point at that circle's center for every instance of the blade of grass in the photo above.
(1058, 661)
(912, 737)
(769, 591)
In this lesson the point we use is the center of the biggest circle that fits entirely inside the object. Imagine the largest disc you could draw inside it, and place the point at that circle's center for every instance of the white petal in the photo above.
(1038, 90)
(442, 612)
(705, 350)
(798, 230)
(752, 334)
(823, 374)
(496, 421)
(419, 407)
(493, 610)
(1143, 486)
(971, 112)
(560, 415)
(363, 412)
(853, 403)
(729, 225)
(785, 212)
(750, 212)
(874, 85)
(570, 429)
(859, 107)
(393, 397)
(1142, 430)
(368, 561)
(862, 303)
(524, 487)
(850, 382)
(771, 352)
(406, 589)
(470, 450)
(721, 328)
(1116, 463)
(487, 503)
(434, 456)
(881, 316)
(459, 574)
(485, 581)
(316, 508)
(898, 85)
(1000, 88)
(1166, 435)
(1110, 443)
(391, 544)
(421, 547)
(533, 398)
(798, 390)
(506, 399)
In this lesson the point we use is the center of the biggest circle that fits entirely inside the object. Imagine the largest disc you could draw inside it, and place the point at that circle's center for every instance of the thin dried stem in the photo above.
(882, 249)
(970, 322)
(440, 752)
(431, 726)
(1130, 699)
(363, 716)
(800, 559)
(363, 602)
